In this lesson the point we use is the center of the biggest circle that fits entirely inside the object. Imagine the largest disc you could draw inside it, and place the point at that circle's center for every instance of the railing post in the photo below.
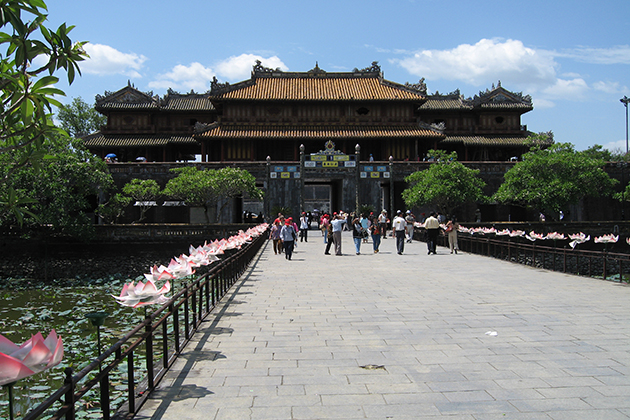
(69, 400)
(186, 314)
(131, 384)
(104, 385)
(175, 311)
(194, 305)
(149, 350)
(165, 344)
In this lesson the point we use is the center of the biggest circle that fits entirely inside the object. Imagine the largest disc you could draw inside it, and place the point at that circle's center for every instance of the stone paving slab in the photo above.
(292, 340)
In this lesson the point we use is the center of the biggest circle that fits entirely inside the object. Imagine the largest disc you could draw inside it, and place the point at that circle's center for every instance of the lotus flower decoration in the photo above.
(516, 233)
(607, 239)
(504, 232)
(556, 236)
(533, 236)
(143, 294)
(578, 238)
(34, 356)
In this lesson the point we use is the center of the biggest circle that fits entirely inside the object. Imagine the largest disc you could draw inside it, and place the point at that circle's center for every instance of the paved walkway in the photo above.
(387, 336)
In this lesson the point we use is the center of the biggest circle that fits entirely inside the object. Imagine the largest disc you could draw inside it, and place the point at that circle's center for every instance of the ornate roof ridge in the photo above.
(500, 94)
(128, 94)
(372, 72)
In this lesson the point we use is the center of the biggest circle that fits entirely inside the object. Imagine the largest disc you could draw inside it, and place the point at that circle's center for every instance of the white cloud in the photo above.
(240, 67)
(487, 60)
(543, 103)
(567, 89)
(105, 60)
(185, 78)
(197, 77)
(616, 146)
(619, 54)
(608, 87)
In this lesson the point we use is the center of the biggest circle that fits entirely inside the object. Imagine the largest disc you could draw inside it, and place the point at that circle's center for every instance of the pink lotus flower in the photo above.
(143, 294)
(159, 273)
(516, 233)
(34, 356)
(607, 239)
(556, 236)
(533, 236)
(578, 238)
(463, 229)
(503, 232)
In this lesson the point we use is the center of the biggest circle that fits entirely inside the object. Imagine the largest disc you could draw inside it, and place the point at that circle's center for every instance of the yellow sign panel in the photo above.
(285, 175)
(341, 157)
(330, 164)
(375, 174)
(318, 158)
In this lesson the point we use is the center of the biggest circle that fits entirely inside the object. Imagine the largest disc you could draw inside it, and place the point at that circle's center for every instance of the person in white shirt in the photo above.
(433, 230)
(304, 228)
(337, 223)
(398, 225)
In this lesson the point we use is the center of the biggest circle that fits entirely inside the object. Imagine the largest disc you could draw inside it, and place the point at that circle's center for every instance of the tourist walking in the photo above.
(274, 235)
(288, 234)
(410, 219)
(432, 227)
(304, 222)
(357, 235)
(338, 222)
(451, 230)
(375, 230)
(382, 221)
(365, 224)
(329, 241)
(398, 226)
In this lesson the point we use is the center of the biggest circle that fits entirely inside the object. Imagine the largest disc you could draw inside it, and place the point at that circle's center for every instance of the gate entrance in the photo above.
(317, 197)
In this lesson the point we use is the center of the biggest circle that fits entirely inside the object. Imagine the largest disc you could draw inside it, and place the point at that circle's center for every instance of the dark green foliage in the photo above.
(549, 180)
(446, 184)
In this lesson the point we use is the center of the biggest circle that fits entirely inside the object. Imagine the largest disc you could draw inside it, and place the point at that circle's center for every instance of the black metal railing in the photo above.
(160, 335)
(591, 263)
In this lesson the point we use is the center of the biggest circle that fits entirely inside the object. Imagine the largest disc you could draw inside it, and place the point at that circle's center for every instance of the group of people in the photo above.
(284, 232)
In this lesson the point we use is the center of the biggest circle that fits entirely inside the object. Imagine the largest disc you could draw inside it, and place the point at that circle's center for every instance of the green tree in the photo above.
(446, 184)
(80, 119)
(206, 188)
(114, 208)
(144, 191)
(548, 180)
(233, 183)
(32, 54)
(62, 192)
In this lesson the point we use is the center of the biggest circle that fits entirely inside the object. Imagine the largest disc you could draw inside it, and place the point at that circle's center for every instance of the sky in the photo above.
(571, 56)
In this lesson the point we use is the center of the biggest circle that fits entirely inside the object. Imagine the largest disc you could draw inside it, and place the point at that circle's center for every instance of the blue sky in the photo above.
(572, 57)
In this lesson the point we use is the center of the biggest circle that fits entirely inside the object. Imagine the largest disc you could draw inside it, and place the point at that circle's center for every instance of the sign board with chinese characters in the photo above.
(329, 158)
(375, 172)
(284, 172)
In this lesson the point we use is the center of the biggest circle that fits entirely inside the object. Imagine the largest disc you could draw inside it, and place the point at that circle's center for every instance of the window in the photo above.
(499, 120)
(363, 111)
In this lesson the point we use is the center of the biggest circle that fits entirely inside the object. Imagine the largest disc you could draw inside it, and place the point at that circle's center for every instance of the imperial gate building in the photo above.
(313, 140)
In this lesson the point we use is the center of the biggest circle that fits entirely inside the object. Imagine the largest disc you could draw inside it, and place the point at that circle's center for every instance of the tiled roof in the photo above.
(126, 105)
(444, 104)
(319, 88)
(100, 140)
(484, 141)
(507, 105)
(187, 103)
(229, 131)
